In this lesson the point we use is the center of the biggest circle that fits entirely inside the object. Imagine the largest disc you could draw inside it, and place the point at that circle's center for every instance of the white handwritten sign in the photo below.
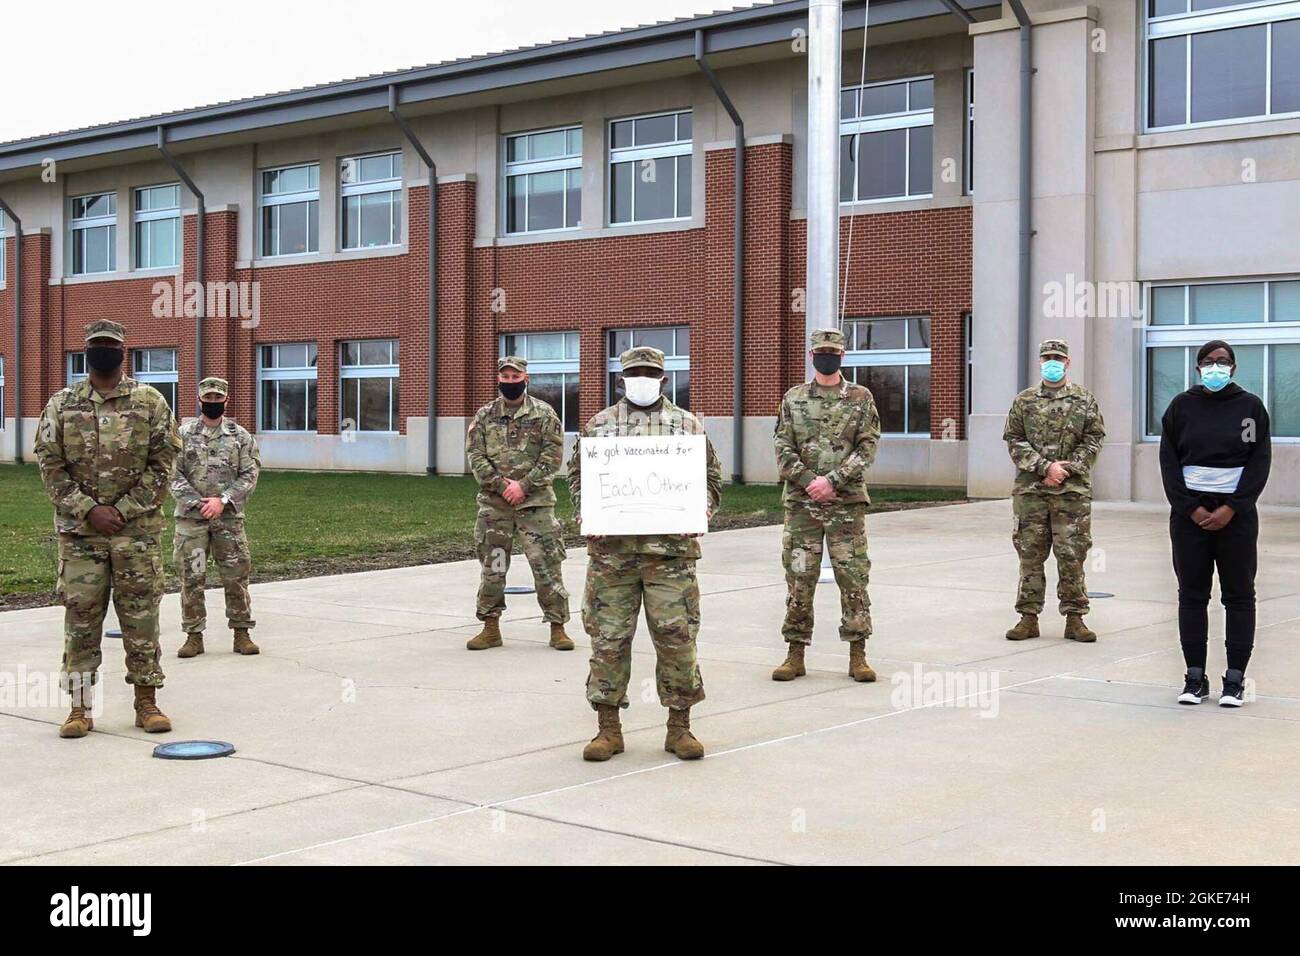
(644, 485)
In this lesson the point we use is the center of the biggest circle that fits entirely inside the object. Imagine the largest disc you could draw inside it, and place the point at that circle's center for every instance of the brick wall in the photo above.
(906, 263)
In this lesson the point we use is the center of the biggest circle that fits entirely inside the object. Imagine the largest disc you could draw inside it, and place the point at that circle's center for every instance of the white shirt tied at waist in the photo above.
(1211, 481)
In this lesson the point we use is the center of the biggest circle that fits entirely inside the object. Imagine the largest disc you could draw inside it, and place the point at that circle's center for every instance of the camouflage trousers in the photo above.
(617, 584)
(224, 540)
(1047, 523)
(91, 567)
(543, 545)
(844, 528)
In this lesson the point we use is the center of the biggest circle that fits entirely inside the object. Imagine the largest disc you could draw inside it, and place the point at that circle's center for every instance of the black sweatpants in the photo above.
(1197, 553)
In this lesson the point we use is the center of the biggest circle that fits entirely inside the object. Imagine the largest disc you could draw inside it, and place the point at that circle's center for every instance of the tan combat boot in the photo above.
(243, 643)
(1076, 630)
(859, 669)
(680, 740)
(609, 735)
(490, 636)
(559, 640)
(147, 714)
(792, 666)
(1026, 629)
(79, 722)
(193, 645)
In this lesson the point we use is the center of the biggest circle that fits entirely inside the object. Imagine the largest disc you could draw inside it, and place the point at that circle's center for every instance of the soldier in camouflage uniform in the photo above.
(515, 446)
(106, 446)
(216, 473)
(826, 436)
(1054, 432)
(624, 571)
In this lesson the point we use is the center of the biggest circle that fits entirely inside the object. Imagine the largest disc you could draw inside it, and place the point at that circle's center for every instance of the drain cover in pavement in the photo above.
(519, 589)
(1100, 594)
(193, 750)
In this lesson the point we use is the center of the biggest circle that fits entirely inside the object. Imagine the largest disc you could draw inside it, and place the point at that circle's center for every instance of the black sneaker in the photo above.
(1196, 688)
(1234, 689)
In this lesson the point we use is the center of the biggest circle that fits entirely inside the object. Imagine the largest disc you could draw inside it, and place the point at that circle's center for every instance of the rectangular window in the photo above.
(543, 179)
(92, 238)
(370, 189)
(291, 210)
(650, 168)
(76, 367)
(887, 140)
(674, 342)
(553, 362)
(1210, 61)
(158, 368)
(286, 387)
(4, 257)
(157, 216)
(969, 143)
(891, 357)
(1260, 319)
(369, 373)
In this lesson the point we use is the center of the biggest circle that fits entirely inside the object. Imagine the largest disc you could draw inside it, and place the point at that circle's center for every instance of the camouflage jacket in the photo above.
(525, 445)
(1054, 424)
(215, 462)
(116, 449)
(665, 418)
(830, 432)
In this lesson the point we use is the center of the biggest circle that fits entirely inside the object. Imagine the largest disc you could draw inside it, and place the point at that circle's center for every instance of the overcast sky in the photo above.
(82, 62)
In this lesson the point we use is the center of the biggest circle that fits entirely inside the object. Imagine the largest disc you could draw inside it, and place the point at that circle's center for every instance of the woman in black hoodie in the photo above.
(1214, 459)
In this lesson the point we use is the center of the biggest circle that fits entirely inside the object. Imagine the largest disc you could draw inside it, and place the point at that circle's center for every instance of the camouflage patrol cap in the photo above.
(214, 384)
(104, 329)
(1054, 347)
(514, 362)
(642, 356)
(826, 339)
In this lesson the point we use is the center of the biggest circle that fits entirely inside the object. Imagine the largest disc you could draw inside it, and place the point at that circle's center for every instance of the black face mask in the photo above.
(104, 358)
(828, 363)
(213, 410)
(512, 390)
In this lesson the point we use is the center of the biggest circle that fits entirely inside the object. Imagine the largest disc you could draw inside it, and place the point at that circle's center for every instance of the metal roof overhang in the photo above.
(726, 33)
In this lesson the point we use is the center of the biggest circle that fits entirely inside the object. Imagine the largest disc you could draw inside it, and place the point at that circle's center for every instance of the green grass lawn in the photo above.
(306, 523)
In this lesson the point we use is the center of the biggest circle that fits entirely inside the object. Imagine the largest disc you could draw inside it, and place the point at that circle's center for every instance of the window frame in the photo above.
(139, 217)
(295, 373)
(529, 167)
(968, 138)
(72, 376)
(1190, 336)
(4, 257)
(390, 371)
(905, 357)
(570, 365)
(674, 363)
(636, 154)
(1189, 24)
(393, 185)
(161, 376)
(906, 120)
(83, 224)
(267, 200)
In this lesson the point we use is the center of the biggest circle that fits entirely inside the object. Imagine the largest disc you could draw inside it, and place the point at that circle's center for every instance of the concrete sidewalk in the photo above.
(366, 733)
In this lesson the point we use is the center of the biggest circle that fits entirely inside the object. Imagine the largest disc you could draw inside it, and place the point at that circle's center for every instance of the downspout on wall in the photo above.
(17, 363)
(200, 250)
(1026, 190)
(738, 285)
(431, 464)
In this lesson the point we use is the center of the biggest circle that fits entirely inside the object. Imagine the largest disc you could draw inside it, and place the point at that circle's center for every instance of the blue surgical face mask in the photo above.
(1215, 377)
(1053, 370)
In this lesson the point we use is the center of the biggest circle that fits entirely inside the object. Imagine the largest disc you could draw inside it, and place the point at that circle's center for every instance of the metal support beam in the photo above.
(822, 282)
(200, 250)
(1026, 191)
(17, 357)
(738, 278)
(959, 10)
(431, 462)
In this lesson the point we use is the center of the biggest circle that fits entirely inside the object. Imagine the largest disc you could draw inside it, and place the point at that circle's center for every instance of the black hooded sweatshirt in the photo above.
(1212, 429)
